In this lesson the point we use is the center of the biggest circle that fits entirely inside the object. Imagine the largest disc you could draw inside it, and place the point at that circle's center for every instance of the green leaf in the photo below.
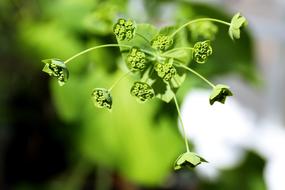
(188, 159)
(56, 68)
(102, 98)
(237, 22)
(220, 93)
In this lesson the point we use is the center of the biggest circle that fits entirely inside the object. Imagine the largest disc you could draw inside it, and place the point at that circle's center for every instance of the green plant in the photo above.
(159, 58)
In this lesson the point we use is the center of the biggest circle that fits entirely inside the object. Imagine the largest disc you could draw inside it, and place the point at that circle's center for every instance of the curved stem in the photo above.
(199, 20)
(118, 80)
(180, 119)
(197, 74)
(169, 51)
(93, 48)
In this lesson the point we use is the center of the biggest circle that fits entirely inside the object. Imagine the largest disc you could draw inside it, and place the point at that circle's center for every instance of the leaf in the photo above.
(219, 94)
(237, 22)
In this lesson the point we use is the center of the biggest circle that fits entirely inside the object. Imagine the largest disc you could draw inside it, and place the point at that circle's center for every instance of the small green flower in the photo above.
(142, 91)
(102, 98)
(202, 50)
(124, 29)
(237, 22)
(136, 59)
(165, 70)
(162, 42)
(188, 159)
(56, 68)
(220, 93)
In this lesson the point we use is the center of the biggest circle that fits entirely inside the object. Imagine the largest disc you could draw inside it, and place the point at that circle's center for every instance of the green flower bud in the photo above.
(162, 42)
(237, 23)
(142, 91)
(165, 70)
(136, 60)
(188, 159)
(202, 50)
(124, 29)
(220, 93)
(102, 98)
(56, 68)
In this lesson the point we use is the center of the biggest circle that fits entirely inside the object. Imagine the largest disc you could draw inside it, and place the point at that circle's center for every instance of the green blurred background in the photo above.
(53, 138)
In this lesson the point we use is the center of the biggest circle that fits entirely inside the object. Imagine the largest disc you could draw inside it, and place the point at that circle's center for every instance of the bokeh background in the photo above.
(52, 138)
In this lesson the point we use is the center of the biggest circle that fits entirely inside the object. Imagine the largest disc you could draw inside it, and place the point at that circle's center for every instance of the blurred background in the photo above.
(53, 138)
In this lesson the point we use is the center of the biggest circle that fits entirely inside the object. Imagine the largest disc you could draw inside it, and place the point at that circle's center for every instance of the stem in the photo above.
(199, 20)
(183, 128)
(197, 74)
(93, 48)
(118, 80)
(169, 51)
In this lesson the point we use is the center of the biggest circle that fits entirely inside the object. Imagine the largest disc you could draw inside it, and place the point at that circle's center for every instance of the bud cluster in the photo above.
(162, 42)
(136, 59)
(142, 91)
(202, 50)
(165, 70)
(102, 98)
(124, 29)
(56, 68)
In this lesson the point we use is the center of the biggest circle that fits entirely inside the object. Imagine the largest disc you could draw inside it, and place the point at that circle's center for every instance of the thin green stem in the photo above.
(118, 80)
(199, 20)
(93, 48)
(181, 122)
(197, 74)
(172, 50)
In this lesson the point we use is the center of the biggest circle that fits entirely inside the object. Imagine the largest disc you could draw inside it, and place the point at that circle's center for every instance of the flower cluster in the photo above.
(124, 29)
(102, 98)
(162, 42)
(202, 50)
(136, 59)
(165, 70)
(142, 91)
(56, 68)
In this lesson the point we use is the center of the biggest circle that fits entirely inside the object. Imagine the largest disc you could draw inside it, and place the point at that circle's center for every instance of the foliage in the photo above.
(99, 137)
(146, 49)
